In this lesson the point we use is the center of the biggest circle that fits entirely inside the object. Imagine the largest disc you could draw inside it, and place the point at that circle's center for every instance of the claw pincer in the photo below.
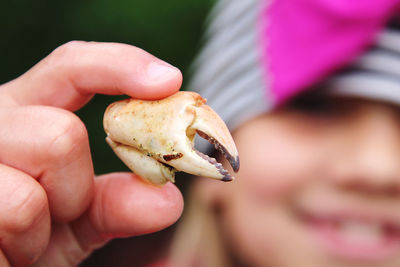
(156, 138)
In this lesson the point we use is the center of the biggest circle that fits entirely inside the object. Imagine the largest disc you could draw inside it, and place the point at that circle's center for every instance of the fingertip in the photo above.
(173, 204)
(159, 80)
(162, 205)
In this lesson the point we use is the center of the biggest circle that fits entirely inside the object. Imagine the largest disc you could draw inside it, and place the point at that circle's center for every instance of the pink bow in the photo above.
(303, 41)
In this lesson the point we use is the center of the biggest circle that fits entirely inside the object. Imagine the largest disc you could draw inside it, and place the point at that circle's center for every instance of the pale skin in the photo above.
(48, 192)
(343, 162)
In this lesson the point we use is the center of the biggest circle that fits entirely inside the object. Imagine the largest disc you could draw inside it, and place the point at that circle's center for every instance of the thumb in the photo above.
(123, 206)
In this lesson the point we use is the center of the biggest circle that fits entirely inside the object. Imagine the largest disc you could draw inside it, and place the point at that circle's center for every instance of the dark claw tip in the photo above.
(227, 178)
(235, 163)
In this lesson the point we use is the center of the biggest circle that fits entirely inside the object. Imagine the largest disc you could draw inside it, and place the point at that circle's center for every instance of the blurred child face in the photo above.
(319, 186)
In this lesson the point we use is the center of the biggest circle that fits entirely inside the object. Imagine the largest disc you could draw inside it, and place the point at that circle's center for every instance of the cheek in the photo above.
(277, 161)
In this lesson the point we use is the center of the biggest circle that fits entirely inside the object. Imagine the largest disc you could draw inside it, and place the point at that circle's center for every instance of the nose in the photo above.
(368, 151)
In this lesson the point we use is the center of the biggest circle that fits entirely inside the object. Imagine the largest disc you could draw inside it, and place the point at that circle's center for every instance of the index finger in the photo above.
(72, 73)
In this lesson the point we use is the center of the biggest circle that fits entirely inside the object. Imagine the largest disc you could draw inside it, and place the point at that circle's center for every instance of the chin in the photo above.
(283, 238)
(334, 239)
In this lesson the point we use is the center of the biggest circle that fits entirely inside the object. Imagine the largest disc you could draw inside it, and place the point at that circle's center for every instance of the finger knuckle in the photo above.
(67, 132)
(63, 54)
(26, 206)
(68, 48)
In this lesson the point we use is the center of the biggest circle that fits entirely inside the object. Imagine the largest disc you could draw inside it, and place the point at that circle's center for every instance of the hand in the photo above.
(52, 210)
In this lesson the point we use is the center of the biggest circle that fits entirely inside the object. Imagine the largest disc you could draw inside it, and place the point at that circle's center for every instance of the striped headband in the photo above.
(258, 54)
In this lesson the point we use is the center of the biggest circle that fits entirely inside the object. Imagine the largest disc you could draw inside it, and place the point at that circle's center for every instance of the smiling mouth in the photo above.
(354, 238)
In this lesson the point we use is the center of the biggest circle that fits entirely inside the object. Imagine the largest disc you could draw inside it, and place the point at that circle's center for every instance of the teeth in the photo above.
(356, 231)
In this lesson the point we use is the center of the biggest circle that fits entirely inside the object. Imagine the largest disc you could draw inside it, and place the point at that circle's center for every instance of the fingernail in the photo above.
(159, 71)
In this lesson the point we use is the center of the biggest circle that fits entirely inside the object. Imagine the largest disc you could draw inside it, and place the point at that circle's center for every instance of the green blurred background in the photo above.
(171, 30)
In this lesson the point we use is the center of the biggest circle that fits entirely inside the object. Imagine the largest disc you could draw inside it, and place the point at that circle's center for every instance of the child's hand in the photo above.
(52, 210)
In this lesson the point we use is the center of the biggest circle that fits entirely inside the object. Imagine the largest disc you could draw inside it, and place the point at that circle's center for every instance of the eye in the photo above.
(320, 106)
(311, 104)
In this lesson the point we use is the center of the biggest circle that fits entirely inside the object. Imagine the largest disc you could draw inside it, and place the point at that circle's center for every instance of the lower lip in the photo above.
(331, 239)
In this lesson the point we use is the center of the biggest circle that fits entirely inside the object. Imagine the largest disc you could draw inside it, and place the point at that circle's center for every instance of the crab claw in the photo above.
(156, 138)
